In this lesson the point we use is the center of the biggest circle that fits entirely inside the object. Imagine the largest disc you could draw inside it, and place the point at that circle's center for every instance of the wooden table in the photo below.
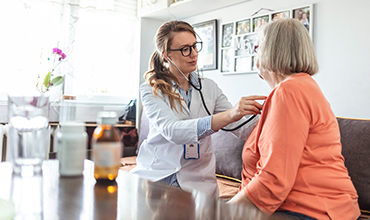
(81, 198)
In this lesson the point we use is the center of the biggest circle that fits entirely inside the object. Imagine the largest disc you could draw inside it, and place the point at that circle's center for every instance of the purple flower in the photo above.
(57, 51)
(47, 84)
(62, 56)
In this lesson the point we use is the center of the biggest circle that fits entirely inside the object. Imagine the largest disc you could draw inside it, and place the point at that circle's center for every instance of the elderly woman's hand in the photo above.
(240, 198)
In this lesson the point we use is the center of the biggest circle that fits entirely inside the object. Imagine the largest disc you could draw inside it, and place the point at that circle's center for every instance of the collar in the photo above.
(193, 78)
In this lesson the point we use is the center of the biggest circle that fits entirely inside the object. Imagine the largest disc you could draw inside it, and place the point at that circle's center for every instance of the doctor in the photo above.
(178, 150)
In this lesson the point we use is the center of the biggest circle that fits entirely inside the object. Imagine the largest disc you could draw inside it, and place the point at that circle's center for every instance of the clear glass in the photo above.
(28, 131)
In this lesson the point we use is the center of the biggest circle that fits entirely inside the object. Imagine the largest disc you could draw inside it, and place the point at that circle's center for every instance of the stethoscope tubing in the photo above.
(209, 113)
(204, 103)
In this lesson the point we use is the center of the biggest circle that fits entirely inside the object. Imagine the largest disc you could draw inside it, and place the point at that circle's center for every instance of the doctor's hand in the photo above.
(246, 106)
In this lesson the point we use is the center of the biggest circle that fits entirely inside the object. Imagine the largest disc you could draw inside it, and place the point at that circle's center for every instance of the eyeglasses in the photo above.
(186, 51)
(256, 48)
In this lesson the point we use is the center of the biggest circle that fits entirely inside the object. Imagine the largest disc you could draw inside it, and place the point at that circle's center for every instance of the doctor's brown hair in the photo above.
(159, 77)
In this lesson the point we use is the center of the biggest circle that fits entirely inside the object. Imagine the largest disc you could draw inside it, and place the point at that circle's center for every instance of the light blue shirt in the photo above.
(204, 124)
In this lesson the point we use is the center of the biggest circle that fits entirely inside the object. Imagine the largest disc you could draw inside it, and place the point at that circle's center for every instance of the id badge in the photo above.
(191, 151)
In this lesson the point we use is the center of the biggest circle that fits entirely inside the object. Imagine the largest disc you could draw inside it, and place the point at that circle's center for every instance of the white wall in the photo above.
(341, 40)
(148, 28)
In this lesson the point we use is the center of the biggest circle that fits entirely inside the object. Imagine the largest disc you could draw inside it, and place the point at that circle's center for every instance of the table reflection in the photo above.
(142, 199)
(27, 196)
(132, 198)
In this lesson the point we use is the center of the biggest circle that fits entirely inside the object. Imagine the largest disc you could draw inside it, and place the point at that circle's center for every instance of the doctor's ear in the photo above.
(165, 56)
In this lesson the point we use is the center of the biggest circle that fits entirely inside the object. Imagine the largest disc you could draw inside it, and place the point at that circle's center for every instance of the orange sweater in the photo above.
(292, 160)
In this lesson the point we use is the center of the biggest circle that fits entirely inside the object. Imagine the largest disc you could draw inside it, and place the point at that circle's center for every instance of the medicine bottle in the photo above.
(107, 147)
(72, 146)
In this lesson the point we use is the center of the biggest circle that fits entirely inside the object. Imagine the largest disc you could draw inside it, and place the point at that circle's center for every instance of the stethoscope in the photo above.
(204, 104)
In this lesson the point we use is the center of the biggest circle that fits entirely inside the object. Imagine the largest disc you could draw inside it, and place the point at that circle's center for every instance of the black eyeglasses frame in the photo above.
(194, 47)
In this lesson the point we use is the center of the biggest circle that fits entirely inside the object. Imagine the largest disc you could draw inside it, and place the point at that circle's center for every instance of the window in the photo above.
(98, 37)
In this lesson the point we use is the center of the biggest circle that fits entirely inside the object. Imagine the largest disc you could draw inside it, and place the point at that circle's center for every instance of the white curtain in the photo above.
(98, 37)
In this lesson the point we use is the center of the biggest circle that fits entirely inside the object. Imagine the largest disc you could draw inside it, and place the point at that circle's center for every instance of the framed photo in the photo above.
(254, 63)
(279, 15)
(243, 27)
(239, 37)
(207, 57)
(303, 16)
(258, 22)
(226, 60)
(227, 34)
(244, 44)
(243, 64)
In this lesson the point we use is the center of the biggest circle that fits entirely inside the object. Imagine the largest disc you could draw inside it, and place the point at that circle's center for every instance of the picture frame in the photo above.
(243, 27)
(304, 16)
(227, 34)
(258, 22)
(244, 53)
(243, 64)
(254, 63)
(237, 54)
(207, 32)
(226, 60)
(279, 15)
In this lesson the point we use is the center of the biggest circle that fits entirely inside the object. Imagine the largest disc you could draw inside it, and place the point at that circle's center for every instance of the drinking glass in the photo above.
(28, 131)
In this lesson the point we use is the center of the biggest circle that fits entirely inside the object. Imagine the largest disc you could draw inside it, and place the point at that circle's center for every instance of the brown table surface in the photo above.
(81, 198)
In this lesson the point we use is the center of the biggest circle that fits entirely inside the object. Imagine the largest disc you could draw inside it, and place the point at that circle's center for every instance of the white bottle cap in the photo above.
(67, 127)
(109, 118)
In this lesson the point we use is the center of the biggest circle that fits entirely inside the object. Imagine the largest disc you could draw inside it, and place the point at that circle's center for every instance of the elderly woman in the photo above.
(292, 161)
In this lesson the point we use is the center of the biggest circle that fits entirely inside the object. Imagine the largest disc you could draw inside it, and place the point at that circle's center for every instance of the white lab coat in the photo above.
(162, 153)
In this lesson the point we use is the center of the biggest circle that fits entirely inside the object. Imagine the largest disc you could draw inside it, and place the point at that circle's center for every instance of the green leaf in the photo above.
(47, 80)
(57, 80)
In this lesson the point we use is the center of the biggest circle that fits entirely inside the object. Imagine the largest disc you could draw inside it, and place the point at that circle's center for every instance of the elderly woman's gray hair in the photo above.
(286, 48)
